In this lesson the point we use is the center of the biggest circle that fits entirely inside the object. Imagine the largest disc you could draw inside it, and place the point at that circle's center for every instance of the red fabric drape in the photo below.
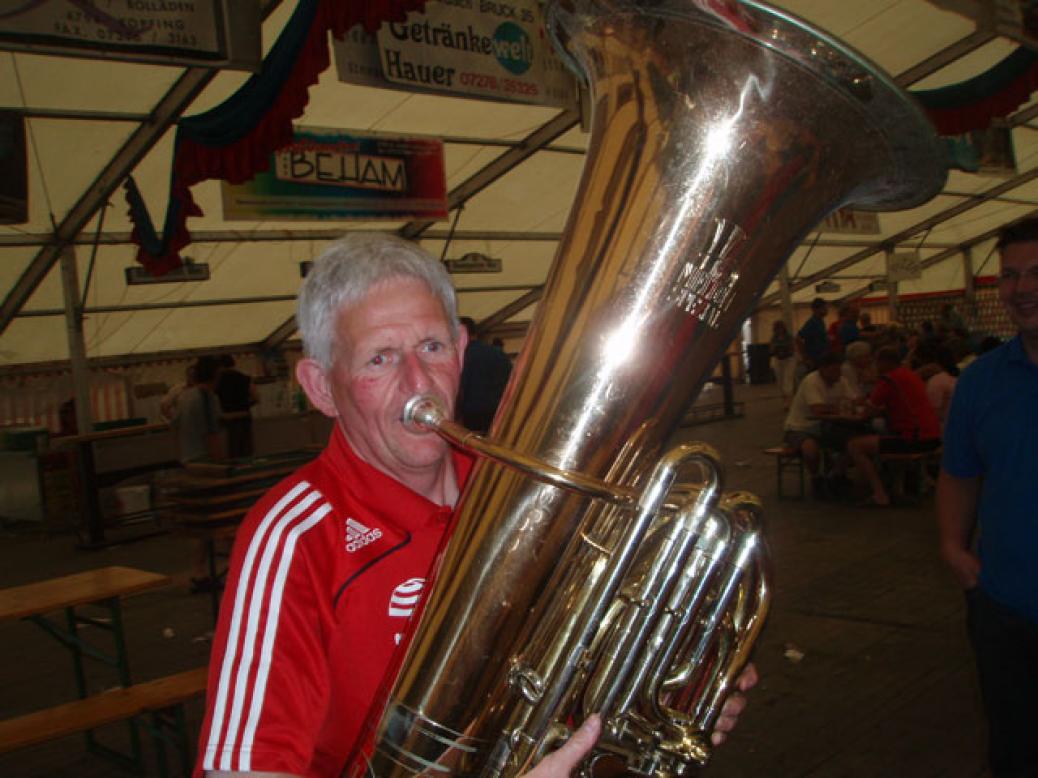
(978, 115)
(239, 161)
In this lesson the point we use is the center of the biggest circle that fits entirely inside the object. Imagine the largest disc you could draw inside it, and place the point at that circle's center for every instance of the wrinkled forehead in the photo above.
(1020, 256)
(391, 299)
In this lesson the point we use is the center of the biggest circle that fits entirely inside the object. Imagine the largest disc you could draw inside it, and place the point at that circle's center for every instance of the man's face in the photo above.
(392, 345)
(820, 311)
(1018, 285)
(830, 373)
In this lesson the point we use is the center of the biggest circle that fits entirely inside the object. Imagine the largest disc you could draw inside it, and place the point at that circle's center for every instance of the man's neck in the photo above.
(1030, 343)
(440, 488)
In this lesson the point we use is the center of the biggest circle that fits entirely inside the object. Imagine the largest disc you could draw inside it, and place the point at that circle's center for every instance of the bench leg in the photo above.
(120, 662)
(170, 726)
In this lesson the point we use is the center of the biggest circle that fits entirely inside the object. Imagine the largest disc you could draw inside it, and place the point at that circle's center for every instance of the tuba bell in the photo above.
(582, 576)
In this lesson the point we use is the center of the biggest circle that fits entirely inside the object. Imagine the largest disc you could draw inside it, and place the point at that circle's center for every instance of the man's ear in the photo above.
(314, 380)
(462, 344)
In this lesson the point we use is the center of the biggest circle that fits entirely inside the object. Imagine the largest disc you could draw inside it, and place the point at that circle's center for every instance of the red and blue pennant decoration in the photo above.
(993, 94)
(235, 139)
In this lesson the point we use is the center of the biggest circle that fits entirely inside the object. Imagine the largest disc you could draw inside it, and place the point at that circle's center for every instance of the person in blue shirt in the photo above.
(483, 380)
(848, 329)
(989, 482)
(813, 338)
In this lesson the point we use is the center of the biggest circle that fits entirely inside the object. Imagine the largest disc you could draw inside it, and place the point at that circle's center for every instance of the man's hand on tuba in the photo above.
(734, 705)
(560, 763)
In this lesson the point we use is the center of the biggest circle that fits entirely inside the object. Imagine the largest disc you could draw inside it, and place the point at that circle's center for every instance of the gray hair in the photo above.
(347, 270)
(858, 348)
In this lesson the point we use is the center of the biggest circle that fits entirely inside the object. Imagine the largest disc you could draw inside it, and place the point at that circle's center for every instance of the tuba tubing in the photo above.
(578, 578)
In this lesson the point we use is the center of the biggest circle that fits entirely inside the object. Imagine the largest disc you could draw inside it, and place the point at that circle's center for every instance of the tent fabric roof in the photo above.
(517, 217)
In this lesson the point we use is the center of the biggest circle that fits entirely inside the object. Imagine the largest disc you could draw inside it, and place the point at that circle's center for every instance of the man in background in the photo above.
(813, 338)
(989, 482)
(196, 419)
(823, 394)
(911, 425)
(483, 379)
(237, 396)
(197, 414)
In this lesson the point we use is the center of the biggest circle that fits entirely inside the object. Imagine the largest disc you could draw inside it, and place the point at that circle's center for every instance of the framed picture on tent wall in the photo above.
(213, 33)
(330, 174)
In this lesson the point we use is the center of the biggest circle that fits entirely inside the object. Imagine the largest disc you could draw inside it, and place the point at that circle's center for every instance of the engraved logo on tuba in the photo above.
(706, 283)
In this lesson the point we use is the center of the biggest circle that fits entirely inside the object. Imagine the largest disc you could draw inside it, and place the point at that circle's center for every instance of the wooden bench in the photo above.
(68, 591)
(898, 466)
(162, 698)
(787, 459)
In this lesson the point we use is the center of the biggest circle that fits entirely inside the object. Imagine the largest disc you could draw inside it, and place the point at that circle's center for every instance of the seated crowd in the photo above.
(871, 392)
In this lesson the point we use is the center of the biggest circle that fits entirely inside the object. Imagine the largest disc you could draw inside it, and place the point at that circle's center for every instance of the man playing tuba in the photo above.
(328, 566)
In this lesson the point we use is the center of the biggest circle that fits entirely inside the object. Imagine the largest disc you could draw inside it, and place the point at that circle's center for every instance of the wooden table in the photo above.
(92, 533)
(211, 498)
(105, 588)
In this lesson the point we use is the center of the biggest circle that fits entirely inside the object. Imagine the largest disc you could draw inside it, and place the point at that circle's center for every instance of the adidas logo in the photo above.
(358, 536)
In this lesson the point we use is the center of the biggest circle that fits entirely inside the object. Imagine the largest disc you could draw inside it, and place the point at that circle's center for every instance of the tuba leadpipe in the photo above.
(579, 578)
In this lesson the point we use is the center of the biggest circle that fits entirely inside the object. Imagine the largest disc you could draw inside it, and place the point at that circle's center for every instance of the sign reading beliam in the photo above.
(331, 166)
(328, 174)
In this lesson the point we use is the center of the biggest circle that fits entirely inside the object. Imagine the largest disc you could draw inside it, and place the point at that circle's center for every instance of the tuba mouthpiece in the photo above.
(423, 413)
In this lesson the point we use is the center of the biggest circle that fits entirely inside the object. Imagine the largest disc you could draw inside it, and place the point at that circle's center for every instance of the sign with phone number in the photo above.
(183, 32)
(482, 48)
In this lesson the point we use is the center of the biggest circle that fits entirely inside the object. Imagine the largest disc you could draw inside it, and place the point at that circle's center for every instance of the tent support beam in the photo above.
(496, 169)
(169, 108)
(125, 159)
(905, 234)
(76, 344)
(943, 256)
(272, 298)
(532, 143)
(290, 236)
(945, 56)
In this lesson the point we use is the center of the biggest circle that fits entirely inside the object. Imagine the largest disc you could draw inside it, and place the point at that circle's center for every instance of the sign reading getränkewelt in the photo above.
(482, 48)
(328, 174)
(184, 32)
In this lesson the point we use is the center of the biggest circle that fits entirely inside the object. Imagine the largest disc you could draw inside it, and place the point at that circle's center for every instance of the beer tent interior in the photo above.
(511, 170)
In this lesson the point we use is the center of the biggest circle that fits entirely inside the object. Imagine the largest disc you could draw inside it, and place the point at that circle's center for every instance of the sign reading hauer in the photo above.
(327, 174)
(481, 48)
(186, 32)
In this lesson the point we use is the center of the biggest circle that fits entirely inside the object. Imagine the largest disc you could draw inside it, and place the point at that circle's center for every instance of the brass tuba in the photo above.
(579, 579)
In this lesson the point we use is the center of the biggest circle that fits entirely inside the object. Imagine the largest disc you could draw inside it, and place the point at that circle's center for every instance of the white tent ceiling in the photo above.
(516, 216)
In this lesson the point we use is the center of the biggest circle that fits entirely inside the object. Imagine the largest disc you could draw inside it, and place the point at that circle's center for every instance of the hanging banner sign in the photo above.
(904, 266)
(328, 174)
(851, 222)
(475, 48)
(473, 262)
(14, 186)
(212, 33)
